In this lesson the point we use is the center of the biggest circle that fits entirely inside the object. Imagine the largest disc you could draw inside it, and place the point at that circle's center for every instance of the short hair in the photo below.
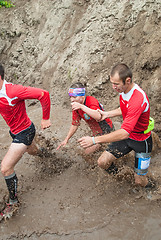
(77, 85)
(123, 71)
(2, 71)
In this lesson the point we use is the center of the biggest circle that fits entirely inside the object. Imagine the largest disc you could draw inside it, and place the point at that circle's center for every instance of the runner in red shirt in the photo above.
(22, 131)
(135, 109)
(85, 107)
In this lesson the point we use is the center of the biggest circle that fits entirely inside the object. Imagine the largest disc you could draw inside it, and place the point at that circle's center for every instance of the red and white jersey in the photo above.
(96, 127)
(12, 105)
(136, 112)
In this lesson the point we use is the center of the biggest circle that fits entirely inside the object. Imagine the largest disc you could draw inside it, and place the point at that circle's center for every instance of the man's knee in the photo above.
(101, 161)
(4, 169)
(105, 160)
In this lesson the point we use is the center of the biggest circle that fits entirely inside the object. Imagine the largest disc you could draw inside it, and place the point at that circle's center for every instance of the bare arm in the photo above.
(71, 132)
(109, 114)
(91, 112)
(117, 135)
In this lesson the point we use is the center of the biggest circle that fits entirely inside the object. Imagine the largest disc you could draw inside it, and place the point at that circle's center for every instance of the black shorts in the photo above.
(26, 136)
(121, 148)
(107, 129)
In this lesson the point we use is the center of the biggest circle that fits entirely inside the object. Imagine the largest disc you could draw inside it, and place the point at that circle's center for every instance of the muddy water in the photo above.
(83, 203)
(78, 201)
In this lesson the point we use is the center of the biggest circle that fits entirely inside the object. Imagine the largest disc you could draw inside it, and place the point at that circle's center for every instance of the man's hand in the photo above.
(45, 123)
(62, 144)
(85, 141)
(104, 115)
(76, 106)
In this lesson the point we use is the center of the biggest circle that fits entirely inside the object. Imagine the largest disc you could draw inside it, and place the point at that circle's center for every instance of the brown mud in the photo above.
(64, 197)
(52, 44)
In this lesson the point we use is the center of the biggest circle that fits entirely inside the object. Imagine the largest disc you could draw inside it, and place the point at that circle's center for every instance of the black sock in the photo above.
(12, 182)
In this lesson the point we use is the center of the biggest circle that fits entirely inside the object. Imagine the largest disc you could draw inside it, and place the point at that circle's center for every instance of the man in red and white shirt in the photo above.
(22, 130)
(135, 110)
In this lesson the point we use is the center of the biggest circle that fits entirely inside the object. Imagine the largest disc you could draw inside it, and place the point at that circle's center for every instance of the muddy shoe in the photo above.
(112, 169)
(9, 211)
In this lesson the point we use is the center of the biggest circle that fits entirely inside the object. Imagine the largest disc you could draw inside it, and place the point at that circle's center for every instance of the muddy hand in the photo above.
(45, 123)
(62, 144)
(85, 141)
(59, 146)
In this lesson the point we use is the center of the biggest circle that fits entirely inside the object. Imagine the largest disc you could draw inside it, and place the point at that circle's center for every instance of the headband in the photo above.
(75, 92)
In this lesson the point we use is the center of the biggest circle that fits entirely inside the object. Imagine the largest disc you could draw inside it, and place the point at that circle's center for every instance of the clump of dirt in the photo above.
(47, 166)
(51, 161)
(125, 174)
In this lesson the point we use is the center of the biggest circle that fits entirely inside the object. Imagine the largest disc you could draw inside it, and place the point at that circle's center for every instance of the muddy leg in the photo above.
(141, 180)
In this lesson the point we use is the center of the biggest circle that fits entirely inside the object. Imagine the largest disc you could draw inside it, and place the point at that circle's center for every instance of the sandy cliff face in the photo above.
(54, 43)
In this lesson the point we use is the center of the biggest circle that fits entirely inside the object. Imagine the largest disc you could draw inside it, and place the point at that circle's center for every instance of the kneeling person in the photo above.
(86, 107)
(134, 133)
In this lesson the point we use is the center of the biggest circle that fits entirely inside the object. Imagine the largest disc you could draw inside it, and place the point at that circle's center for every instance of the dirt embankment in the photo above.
(53, 43)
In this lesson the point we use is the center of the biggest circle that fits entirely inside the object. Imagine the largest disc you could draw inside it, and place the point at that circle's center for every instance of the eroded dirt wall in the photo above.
(53, 43)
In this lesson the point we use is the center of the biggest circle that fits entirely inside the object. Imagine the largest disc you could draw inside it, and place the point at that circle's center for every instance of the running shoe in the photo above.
(8, 211)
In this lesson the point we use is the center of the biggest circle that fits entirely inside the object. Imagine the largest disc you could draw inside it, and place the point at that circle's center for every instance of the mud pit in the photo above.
(63, 197)
(51, 44)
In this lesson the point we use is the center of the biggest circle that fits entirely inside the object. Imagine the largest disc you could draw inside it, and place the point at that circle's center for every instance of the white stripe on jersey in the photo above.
(128, 95)
(3, 94)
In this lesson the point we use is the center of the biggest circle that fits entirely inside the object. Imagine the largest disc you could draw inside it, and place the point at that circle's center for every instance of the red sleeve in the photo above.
(92, 103)
(135, 109)
(23, 93)
(76, 118)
